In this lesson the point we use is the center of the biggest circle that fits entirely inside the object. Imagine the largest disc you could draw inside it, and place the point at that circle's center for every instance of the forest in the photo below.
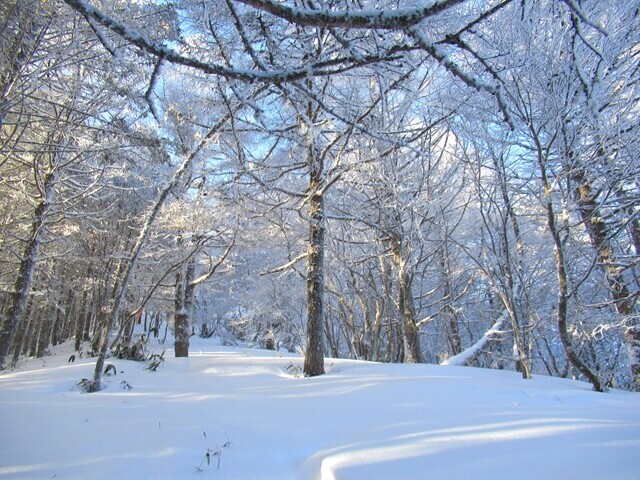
(417, 181)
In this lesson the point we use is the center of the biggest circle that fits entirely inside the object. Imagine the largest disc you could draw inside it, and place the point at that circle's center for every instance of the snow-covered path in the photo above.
(360, 421)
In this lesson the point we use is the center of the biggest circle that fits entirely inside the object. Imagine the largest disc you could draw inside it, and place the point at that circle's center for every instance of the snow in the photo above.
(359, 421)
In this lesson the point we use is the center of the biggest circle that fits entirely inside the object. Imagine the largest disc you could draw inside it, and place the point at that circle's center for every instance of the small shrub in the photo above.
(88, 386)
(293, 370)
(213, 453)
(136, 351)
(155, 361)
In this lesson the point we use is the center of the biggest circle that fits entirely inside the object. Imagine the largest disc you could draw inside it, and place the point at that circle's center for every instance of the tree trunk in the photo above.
(314, 355)
(405, 304)
(601, 240)
(600, 236)
(22, 285)
(32, 333)
(20, 340)
(81, 320)
(447, 296)
(563, 302)
(183, 306)
(513, 274)
(632, 337)
(563, 285)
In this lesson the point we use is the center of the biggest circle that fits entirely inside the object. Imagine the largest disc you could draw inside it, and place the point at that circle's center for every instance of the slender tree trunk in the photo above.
(563, 302)
(45, 330)
(60, 326)
(387, 292)
(22, 285)
(82, 319)
(447, 295)
(34, 328)
(513, 274)
(179, 317)
(96, 383)
(411, 338)
(563, 284)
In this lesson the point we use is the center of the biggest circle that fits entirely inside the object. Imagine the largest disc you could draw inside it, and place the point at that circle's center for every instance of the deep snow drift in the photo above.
(258, 419)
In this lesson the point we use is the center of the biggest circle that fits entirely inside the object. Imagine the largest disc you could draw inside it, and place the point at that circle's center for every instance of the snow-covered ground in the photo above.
(258, 419)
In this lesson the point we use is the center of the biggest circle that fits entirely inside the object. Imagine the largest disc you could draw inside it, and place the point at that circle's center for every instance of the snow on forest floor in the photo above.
(259, 419)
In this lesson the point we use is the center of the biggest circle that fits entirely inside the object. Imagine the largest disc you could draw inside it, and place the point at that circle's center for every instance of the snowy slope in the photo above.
(360, 421)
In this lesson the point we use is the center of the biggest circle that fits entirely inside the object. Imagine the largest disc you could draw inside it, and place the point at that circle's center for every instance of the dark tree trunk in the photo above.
(314, 355)
(565, 338)
(395, 348)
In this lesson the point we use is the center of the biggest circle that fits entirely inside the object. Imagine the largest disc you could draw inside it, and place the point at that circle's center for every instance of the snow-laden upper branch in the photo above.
(327, 67)
(392, 19)
(406, 19)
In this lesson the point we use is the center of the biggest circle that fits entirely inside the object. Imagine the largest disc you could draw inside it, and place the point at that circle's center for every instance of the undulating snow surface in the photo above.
(360, 421)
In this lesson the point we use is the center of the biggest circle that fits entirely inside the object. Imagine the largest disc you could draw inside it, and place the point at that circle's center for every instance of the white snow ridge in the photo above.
(231, 413)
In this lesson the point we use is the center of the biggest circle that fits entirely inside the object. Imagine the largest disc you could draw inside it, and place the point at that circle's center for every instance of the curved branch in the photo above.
(398, 19)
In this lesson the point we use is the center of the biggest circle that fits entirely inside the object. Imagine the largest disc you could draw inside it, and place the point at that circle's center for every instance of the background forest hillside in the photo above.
(386, 181)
